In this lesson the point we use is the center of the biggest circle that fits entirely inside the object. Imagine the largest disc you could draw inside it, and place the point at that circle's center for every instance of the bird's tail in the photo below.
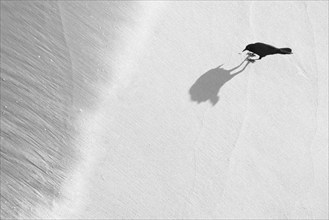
(285, 51)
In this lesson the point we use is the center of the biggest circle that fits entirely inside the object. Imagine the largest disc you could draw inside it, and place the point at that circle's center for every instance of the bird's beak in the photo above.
(244, 50)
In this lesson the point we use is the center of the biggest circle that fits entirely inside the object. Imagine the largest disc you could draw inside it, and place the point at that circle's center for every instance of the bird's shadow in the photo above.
(207, 86)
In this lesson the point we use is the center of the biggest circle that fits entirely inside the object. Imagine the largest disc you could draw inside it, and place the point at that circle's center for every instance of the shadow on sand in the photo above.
(208, 85)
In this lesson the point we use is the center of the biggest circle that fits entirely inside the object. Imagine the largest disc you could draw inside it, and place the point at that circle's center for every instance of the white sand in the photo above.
(260, 152)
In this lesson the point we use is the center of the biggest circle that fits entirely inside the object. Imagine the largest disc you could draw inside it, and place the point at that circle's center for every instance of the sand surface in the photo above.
(171, 122)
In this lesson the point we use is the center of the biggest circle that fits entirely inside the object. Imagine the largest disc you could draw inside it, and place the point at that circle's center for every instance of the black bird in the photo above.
(263, 50)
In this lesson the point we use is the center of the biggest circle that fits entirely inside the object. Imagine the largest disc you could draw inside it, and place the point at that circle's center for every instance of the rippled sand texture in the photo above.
(48, 77)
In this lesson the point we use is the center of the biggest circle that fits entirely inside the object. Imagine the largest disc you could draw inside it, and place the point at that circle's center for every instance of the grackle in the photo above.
(263, 50)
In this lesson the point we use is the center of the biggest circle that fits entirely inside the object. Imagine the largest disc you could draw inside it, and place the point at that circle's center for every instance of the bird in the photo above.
(263, 50)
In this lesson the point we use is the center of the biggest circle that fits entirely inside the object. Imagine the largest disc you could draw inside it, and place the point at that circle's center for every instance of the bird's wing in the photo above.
(262, 44)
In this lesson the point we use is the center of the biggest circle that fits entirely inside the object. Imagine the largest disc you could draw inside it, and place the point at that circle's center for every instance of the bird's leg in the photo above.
(251, 60)
(250, 54)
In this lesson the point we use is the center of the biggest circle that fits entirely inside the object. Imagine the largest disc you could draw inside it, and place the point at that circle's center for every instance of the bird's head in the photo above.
(248, 47)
